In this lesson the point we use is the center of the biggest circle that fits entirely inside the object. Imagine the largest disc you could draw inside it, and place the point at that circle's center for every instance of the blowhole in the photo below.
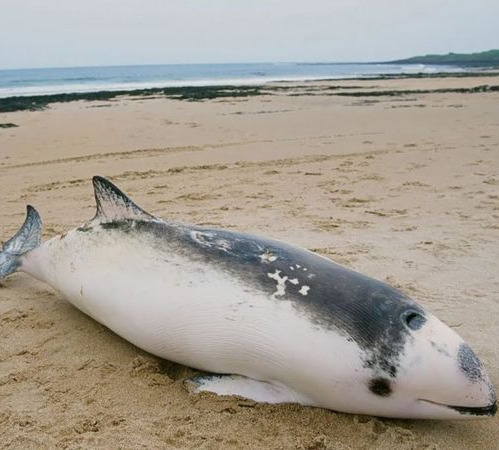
(413, 320)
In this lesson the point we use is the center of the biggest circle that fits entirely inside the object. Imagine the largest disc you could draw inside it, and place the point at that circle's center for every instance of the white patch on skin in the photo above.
(268, 257)
(304, 290)
(297, 266)
(291, 267)
(281, 284)
(304, 269)
(294, 281)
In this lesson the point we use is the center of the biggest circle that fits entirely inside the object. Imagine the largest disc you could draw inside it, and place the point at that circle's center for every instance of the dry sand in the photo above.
(404, 189)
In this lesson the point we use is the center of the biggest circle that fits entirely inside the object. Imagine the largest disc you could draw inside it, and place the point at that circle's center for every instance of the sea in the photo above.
(26, 82)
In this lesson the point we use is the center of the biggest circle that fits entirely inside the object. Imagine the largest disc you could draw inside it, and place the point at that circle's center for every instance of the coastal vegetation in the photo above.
(489, 58)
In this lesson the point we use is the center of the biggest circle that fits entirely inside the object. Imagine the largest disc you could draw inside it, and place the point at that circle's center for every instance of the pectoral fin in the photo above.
(260, 391)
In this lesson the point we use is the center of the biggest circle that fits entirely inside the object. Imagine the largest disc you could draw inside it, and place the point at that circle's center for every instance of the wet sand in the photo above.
(403, 188)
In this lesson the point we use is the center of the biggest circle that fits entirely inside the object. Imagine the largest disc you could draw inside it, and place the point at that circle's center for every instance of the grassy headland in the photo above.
(489, 58)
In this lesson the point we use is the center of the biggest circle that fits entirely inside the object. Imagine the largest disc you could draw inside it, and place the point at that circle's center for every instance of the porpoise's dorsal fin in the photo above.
(113, 204)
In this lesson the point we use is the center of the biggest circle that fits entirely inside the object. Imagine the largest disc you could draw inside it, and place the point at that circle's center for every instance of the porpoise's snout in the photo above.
(474, 371)
(444, 375)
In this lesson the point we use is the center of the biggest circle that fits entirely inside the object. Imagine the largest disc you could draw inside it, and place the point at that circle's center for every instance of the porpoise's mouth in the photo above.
(489, 410)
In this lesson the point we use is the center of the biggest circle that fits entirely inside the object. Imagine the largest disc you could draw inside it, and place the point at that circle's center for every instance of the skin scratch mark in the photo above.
(208, 240)
(201, 238)
(223, 245)
(268, 257)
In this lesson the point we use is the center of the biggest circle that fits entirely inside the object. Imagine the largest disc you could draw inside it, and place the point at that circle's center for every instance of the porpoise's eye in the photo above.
(413, 320)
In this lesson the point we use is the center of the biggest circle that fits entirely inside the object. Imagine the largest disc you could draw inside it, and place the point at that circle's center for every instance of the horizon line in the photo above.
(187, 64)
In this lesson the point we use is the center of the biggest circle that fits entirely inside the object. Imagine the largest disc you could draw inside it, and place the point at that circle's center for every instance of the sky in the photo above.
(64, 33)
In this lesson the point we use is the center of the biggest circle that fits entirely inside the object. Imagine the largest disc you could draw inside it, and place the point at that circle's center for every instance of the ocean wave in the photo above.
(79, 80)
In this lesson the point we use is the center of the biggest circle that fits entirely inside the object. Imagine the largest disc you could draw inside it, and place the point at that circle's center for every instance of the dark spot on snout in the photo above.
(469, 363)
(440, 349)
(380, 386)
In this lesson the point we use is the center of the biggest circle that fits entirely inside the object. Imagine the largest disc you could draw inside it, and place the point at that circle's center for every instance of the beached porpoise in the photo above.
(270, 321)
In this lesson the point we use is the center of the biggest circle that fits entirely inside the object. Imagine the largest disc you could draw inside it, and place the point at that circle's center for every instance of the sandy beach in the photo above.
(402, 187)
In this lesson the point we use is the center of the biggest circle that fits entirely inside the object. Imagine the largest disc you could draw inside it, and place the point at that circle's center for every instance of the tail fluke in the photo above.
(27, 238)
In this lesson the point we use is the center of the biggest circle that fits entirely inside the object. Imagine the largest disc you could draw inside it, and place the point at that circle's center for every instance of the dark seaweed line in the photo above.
(393, 93)
(189, 93)
(199, 93)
